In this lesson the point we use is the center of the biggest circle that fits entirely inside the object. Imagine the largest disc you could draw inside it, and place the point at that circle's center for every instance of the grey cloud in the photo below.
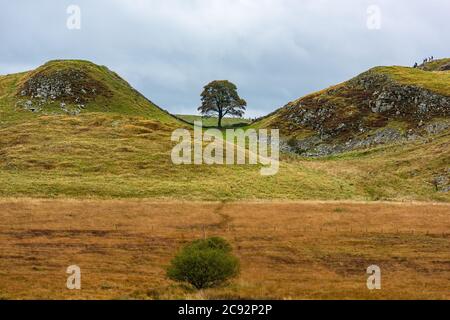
(274, 50)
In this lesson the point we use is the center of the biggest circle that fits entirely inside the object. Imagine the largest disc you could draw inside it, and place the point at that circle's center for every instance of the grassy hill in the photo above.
(383, 105)
(118, 146)
(70, 87)
(112, 156)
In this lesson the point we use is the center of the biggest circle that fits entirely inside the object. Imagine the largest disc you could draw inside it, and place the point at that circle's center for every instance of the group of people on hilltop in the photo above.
(429, 59)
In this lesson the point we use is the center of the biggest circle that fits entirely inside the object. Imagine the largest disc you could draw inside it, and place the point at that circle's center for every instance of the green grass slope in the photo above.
(72, 86)
(435, 81)
(213, 121)
(382, 97)
(436, 65)
(119, 146)
(113, 156)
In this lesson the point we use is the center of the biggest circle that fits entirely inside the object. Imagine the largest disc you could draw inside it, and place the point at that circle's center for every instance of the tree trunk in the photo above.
(220, 120)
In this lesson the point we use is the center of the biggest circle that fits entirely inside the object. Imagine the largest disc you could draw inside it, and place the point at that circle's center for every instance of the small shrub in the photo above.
(204, 264)
(210, 243)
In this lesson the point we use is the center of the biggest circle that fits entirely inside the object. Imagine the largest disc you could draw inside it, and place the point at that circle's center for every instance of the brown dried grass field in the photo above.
(290, 250)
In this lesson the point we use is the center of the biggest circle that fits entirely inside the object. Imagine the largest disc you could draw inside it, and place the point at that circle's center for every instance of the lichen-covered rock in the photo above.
(316, 147)
(70, 89)
(358, 114)
(400, 101)
(442, 182)
(437, 127)
(444, 67)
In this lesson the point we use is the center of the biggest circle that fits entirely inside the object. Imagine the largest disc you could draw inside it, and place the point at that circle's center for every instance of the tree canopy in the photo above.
(220, 98)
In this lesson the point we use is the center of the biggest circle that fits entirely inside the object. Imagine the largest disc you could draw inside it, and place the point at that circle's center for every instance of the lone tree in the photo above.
(220, 97)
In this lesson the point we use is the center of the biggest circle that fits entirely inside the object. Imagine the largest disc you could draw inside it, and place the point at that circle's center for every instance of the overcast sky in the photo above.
(274, 50)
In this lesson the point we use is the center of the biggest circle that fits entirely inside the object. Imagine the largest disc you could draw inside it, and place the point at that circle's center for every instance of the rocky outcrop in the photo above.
(444, 67)
(316, 147)
(442, 181)
(68, 89)
(357, 114)
(401, 101)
